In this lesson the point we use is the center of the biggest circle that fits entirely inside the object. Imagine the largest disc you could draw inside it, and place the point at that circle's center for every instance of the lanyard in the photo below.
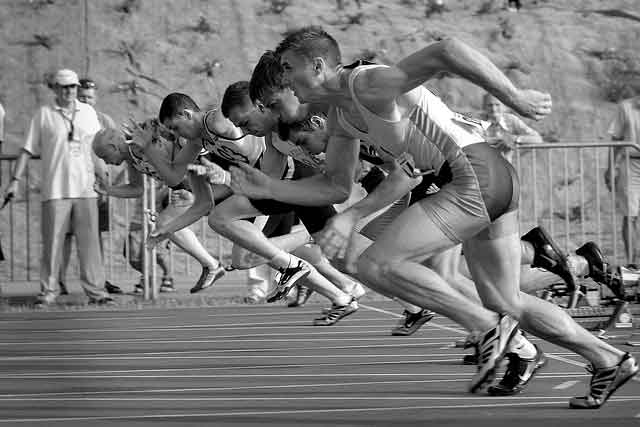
(66, 119)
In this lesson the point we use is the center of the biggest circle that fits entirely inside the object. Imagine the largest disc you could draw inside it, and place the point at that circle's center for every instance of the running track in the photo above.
(265, 365)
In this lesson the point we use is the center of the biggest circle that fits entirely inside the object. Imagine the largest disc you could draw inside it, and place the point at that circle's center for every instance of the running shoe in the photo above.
(111, 288)
(336, 313)
(547, 255)
(412, 322)
(492, 346)
(605, 382)
(166, 286)
(138, 288)
(519, 372)
(288, 278)
(208, 277)
(63, 288)
(303, 295)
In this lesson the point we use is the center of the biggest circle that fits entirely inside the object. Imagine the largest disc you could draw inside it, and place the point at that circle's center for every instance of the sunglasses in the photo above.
(88, 85)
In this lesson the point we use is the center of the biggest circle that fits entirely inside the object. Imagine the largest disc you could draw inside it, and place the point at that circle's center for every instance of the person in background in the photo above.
(626, 127)
(506, 130)
(62, 133)
(87, 93)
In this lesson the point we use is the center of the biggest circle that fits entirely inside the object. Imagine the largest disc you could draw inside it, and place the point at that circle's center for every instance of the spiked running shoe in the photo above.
(605, 382)
(288, 279)
(519, 372)
(547, 255)
(166, 286)
(412, 322)
(336, 313)
(208, 278)
(492, 346)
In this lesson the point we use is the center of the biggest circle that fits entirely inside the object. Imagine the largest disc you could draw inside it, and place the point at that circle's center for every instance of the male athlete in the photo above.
(388, 109)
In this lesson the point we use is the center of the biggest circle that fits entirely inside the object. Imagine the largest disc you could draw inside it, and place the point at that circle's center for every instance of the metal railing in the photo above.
(20, 235)
(562, 188)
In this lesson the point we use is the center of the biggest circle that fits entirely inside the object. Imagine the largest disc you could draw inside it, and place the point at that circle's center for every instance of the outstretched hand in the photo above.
(214, 173)
(250, 182)
(533, 104)
(337, 239)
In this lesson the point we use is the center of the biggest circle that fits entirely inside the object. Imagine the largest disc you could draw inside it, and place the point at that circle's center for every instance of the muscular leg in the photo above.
(496, 272)
(392, 267)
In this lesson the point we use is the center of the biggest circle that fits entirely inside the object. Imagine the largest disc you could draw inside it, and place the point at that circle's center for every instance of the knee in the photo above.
(372, 266)
(217, 221)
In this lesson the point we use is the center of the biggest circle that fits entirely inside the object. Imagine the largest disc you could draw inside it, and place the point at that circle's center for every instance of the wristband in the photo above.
(227, 179)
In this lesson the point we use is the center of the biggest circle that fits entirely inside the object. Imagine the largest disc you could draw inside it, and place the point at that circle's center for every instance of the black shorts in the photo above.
(312, 217)
(279, 225)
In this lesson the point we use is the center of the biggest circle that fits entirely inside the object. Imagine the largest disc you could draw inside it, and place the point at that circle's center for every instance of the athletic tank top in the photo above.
(247, 149)
(142, 165)
(297, 153)
(430, 131)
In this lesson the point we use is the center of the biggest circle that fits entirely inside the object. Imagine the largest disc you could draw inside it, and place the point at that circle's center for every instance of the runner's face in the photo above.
(183, 125)
(300, 74)
(315, 141)
(284, 104)
(251, 119)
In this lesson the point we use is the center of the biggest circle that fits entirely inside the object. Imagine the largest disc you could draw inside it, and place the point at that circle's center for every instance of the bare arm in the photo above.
(334, 186)
(393, 187)
(173, 172)
(201, 206)
(133, 189)
(456, 57)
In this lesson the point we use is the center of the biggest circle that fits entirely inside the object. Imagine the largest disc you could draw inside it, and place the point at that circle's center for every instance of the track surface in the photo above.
(265, 365)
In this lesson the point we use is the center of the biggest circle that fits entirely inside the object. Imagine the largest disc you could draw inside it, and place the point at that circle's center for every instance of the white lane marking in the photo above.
(565, 385)
(38, 396)
(213, 339)
(285, 412)
(227, 326)
(137, 376)
(461, 331)
(462, 378)
(261, 398)
(218, 357)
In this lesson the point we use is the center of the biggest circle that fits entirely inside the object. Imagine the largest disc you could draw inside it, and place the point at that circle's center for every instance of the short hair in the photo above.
(105, 137)
(237, 94)
(173, 104)
(308, 124)
(87, 83)
(311, 42)
(267, 77)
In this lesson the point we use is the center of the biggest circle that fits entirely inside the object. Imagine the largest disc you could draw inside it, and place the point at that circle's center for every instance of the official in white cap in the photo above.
(62, 133)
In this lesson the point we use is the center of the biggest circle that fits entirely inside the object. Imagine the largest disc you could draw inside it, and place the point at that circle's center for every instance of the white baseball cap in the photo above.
(66, 77)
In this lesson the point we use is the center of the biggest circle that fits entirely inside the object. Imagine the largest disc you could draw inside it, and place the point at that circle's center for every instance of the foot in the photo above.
(208, 277)
(412, 322)
(336, 313)
(605, 382)
(46, 298)
(104, 301)
(492, 346)
(302, 296)
(111, 288)
(288, 279)
(253, 298)
(138, 288)
(166, 286)
(63, 288)
(519, 372)
(358, 291)
(547, 255)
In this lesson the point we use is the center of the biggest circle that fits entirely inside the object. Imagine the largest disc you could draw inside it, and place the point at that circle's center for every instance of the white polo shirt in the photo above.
(67, 166)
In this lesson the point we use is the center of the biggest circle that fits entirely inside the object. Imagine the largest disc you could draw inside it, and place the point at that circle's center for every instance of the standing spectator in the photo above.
(62, 133)
(626, 127)
(87, 93)
(506, 130)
